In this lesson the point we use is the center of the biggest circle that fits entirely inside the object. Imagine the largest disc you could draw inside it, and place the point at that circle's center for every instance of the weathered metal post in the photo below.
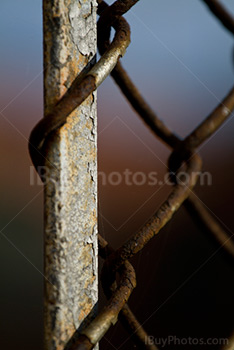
(71, 174)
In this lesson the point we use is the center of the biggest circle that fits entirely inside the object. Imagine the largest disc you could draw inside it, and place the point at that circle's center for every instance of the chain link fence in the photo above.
(118, 276)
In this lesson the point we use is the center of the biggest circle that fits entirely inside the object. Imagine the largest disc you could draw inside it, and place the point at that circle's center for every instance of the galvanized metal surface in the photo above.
(71, 290)
(184, 151)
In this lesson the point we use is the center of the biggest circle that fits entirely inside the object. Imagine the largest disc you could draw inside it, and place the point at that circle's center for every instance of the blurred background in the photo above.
(181, 59)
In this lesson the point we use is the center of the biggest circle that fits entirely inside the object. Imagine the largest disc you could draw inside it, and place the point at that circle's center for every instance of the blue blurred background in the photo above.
(181, 58)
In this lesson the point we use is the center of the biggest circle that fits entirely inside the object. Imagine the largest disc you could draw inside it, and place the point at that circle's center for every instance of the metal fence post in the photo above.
(71, 174)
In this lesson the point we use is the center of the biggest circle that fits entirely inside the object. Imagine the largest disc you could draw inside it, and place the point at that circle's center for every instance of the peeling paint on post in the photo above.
(71, 169)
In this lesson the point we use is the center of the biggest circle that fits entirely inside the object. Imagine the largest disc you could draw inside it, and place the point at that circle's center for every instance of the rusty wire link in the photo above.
(81, 88)
(193, 204)
(199, 135)
(180, 192)
(201, 215)
(109, 315)
(183, 151)
(135, 329)
(130, 90)
(188, 147)
(208, 127)
(117, 303)
(77, 93)
(126, 316)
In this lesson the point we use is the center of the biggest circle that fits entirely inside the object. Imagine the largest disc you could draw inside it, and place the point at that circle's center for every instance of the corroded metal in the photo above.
(202, 132)
(109, 315)
(203, 217)
(56, 139)
(180, 192)
(80, 89)
(135, 329)
(70, 174)
(111, 56)
(196, 208)
(126, 316)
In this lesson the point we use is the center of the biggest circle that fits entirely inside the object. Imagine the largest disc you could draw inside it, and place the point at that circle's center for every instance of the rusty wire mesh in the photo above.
(183, 153)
